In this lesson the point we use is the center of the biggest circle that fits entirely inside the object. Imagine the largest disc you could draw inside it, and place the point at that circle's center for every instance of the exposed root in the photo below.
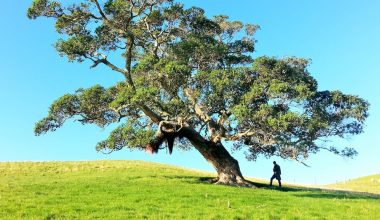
(214, 180)
(238, 181)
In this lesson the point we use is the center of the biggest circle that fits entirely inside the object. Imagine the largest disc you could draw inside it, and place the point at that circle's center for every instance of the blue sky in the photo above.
(341, 37)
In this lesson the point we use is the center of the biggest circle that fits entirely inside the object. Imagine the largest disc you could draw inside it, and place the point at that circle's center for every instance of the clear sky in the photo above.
(342, 37)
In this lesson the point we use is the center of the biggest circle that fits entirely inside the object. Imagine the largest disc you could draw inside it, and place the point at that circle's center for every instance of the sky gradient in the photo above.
(341, 37)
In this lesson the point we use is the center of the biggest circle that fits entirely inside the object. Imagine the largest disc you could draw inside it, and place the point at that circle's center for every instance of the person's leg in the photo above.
(271, 180)
(279, 182)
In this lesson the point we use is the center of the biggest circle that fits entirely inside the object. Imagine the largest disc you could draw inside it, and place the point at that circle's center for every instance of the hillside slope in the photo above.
(141, 190)
(369, 184)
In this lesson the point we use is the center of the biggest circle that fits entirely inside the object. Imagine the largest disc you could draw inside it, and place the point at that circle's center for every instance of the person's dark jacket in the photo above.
(277, 169)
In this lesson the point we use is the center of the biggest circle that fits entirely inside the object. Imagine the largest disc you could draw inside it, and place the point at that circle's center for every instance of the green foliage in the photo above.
(90, 105)
(171, 75)
(223, 89)
(76, 22)
(185, 67)
(129, 134)
(107, 38)
(141, 190)
(124, 96)
(44, 8)
(76, 48)
(289, 114)
(59, 111)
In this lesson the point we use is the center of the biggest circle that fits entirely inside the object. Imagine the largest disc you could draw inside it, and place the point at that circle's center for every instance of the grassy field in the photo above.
(140, 190)
(369, 184)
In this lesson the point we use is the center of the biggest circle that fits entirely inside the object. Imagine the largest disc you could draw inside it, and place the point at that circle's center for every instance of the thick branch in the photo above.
(151, 114)
(128, 61)
(110, 65)
(264, 137)
(215, 129)
(147, 111)
(245, 134)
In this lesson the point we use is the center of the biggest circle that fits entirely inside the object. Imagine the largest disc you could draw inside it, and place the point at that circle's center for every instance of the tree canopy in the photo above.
(186, 72)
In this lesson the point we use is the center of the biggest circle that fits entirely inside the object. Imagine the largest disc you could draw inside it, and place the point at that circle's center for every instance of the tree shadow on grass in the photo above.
(301, 191)
(322, 193)
(337, 194)
(187, 179)
(209, 180)
(309, 192)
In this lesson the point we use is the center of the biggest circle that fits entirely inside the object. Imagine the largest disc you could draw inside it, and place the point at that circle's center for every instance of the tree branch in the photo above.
(215, 129)
(264, 137)
(128, 61)
(151, 114)
(100, 10)
(109, 64)
(303, 163)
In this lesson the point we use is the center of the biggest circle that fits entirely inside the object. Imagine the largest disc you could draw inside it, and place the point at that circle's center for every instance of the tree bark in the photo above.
(226, 166)
(214, 152)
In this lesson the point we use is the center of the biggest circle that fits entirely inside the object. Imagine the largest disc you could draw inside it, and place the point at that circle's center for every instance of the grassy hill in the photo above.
(141, 190)
(370, 184)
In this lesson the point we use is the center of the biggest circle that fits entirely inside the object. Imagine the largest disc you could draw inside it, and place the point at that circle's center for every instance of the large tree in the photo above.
(191, 81)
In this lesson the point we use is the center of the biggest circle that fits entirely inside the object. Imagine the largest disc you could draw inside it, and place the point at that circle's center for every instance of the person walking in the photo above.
(276, 174)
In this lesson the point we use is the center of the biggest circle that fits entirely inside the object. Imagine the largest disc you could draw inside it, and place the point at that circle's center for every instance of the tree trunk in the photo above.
(226, 166)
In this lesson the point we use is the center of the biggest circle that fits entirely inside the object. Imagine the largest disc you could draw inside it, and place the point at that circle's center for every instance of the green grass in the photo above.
(369, 184)
(141, 190)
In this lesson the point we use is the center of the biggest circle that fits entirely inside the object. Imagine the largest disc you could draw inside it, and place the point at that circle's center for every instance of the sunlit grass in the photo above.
(369, 184)
(141, 190)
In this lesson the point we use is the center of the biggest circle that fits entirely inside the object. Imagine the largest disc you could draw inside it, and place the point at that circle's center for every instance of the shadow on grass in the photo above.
(339, 195)
(330, 193)
(187, 179)
(301, 191)
(255, 184)
(323, 193)
(309, 192)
